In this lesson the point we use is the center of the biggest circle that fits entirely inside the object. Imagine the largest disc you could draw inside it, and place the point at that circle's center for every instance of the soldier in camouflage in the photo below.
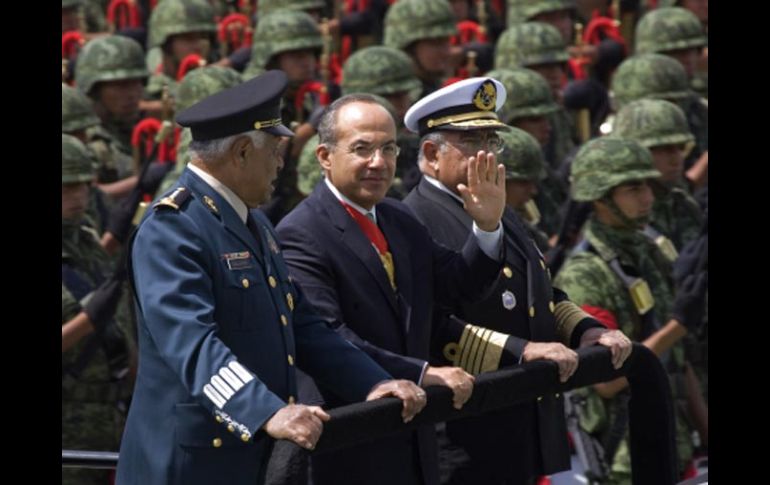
(661, 127)
(559, 13)
(539, 47)
(97, 351)
(678, 33)
(70, 15)
(77, 113)
(82, 15)
(657, 76)
(198, 84)
(178, 28)
(315, 8)
(291, 41)
(699, 7)
(422, 29)
(389, 72)
(77, 117)
(529, 106)
(111, 72)
(524, 170)
(619, 275)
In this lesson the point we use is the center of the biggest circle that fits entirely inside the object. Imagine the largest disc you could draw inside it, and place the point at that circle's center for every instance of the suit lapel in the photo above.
(514, 238)
(454, 207)
(398, 245)
(356, 241)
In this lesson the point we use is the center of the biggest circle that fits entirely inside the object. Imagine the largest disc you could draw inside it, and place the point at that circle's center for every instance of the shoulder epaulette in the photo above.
(174, 200)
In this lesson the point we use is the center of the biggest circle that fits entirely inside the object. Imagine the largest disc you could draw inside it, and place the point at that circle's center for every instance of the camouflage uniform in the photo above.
(77, 116)
(530, 44)
(91, 416)
(93, 14)
(408, 21)
(675, 214)
(112, 58)
(671, 28)
(198, 84)
(281, 31)
(278, 32)
(523, 160)
(528, 96)
(653, 123)
(309, 171)
(589, 278)
(267, 7)
(520, 11)
(656, 76)
(174, 17)
(385, 71)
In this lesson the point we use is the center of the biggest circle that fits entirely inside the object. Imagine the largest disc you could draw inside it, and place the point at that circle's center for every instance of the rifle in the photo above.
(589, 450)
(576, 215)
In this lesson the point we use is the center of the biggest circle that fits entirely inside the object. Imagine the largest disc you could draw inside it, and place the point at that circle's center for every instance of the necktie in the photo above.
(377, 238)
(253, 227)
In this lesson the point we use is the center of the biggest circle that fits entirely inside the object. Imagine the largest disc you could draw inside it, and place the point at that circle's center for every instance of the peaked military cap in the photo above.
(253, 105)
(470, 104)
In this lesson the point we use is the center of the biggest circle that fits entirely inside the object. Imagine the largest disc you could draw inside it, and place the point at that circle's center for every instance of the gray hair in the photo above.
(327, 129)
(210, 151)
(436, 137)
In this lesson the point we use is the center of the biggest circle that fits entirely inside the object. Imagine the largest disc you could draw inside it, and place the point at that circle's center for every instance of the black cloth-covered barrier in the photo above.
(651, 416)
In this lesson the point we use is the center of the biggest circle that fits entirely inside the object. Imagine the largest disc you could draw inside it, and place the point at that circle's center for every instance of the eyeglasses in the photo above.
(366, 152)
(492, 144)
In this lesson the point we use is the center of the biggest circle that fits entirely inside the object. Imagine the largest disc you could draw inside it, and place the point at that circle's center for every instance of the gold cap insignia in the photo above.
(485, 97)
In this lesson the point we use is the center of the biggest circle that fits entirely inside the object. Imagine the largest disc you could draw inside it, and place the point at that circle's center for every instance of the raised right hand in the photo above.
(298, 423)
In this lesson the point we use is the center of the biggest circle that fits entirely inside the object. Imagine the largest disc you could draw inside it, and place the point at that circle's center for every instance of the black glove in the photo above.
(121, 216)
(104, 300)
(152, 177)
(240, 58)
(690, 302)
(694, 256)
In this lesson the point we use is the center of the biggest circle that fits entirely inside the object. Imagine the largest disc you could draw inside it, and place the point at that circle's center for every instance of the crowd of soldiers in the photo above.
(606, 161)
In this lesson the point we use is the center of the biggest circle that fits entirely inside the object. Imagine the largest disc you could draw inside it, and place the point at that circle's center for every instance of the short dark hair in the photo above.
(327, 130)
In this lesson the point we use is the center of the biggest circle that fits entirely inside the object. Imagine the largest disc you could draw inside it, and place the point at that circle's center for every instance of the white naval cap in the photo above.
(469, 104)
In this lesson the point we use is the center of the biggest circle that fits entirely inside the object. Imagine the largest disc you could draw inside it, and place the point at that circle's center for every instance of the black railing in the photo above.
(651, 418)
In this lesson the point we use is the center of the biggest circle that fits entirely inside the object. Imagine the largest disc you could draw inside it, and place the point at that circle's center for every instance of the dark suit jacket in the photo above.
(343, 277)
(221, 330)
(507, 441)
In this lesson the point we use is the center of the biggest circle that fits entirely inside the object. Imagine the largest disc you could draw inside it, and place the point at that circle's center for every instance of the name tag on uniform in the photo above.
(241, 260)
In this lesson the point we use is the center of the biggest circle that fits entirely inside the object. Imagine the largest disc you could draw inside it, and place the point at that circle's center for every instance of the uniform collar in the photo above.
(442, 187)
(352, 204)
(227, 194)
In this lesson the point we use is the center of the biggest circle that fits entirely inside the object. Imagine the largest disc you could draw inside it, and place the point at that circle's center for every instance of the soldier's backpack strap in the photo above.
(663, 243)
(637, 287)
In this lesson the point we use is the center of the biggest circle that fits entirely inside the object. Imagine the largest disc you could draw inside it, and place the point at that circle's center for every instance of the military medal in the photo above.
(509, 300)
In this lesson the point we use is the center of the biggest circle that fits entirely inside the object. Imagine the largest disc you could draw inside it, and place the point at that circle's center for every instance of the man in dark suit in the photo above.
(221, 325)
(372, 269)
(515, 445)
